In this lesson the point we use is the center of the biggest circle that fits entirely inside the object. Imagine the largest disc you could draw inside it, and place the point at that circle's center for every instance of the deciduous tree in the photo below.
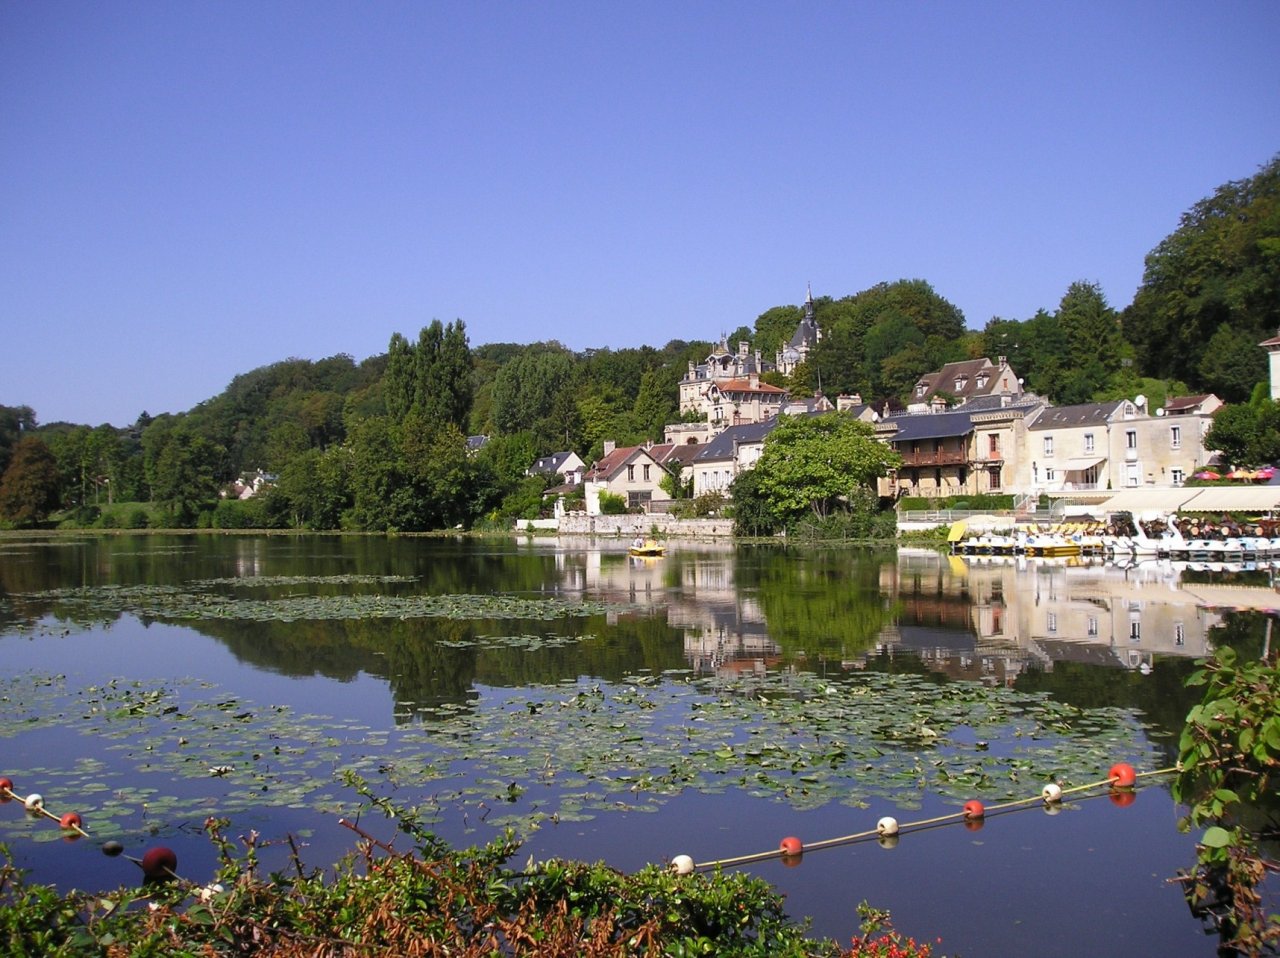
(1220, 267)
(811, 463)
(29, 486)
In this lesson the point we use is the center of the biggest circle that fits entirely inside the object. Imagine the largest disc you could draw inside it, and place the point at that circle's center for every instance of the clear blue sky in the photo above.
(190, 190)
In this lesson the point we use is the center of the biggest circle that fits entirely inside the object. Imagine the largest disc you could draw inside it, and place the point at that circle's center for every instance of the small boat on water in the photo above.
(647, 549)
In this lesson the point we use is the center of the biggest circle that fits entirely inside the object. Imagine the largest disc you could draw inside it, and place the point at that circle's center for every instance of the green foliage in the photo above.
(879, 939)
(753, 512)
(1247, 435)
(674, 483)
(612, 504)
(905, 321)
(536, 392)
(314, 491)
(862, 520)
(431, 899)
(1229, 759)
(181, 470)
(14, 421)
(1232, 738)
(29, 486)
(978, 502)
(525, 500)
(432, 377)
(656, 403)
(774, 329)
(815, 463)
(241, 514)
(1219, 270)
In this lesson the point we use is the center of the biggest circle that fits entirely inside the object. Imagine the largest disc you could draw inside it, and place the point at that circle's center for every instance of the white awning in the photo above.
(1146, 499)
(1234, 499)
(1081, 464)
(1236, 597)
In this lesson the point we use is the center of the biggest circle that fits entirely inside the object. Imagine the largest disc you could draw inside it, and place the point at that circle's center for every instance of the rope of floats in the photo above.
(160, 863)
(1121, 778)
(157, 864)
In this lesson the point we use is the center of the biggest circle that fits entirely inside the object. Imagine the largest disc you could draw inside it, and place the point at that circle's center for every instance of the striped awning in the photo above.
(1234, 499)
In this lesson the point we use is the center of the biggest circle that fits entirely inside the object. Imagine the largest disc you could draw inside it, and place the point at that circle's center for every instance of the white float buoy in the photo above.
(1052, 792)
(682, 865)
(887, 826)
(34, 802)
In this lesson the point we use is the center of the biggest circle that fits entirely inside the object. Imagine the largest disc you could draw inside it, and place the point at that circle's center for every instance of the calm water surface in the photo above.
(624, 710)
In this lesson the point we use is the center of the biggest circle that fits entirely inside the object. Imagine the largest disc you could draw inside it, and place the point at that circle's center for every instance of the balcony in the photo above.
(930, 457)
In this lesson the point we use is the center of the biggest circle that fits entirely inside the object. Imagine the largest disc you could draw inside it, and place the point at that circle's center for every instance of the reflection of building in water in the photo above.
(250, 557)
(975, 618)
(724, 630)
(1029, 612)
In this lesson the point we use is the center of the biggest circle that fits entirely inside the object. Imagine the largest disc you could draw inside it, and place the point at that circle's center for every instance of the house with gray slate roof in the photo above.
(735, 450)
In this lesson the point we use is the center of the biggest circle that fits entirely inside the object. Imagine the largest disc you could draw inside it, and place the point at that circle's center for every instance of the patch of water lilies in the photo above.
(194, 601)
(159, 757)
(270, 581)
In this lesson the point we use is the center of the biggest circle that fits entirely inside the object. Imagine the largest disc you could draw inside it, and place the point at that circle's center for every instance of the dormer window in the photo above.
(920, 389)
(961, 381)
(982, 380)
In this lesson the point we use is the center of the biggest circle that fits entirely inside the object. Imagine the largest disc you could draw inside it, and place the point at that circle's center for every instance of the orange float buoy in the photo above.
(791, 846)
(974, 809)
(159, 863)
(1122, 775)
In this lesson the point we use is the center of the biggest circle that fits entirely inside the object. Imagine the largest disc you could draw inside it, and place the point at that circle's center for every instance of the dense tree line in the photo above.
(383, 444)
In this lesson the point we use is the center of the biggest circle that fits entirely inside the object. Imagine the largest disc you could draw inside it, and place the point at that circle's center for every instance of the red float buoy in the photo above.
(1123, 798)
(974, 809)
(791, 846)
(70, 820)
(6, 785)
(159, 863)
(1122, 775)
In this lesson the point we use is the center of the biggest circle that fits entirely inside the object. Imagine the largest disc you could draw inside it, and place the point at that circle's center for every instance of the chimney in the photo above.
(744, 348)
(609, 446)
(754, 380)
(1004, 361)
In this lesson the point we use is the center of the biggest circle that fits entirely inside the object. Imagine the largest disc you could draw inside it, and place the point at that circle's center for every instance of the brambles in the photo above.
(1230, 757)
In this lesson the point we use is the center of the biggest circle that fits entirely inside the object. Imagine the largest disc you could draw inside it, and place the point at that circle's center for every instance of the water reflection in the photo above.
(711, 608)
(1090, 635)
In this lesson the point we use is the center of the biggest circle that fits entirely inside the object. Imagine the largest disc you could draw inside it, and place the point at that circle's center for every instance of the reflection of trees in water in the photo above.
(430, 662)
(823, 602)
(1161, 697)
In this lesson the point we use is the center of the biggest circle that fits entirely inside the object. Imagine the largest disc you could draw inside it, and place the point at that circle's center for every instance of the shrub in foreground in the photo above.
(428, 901)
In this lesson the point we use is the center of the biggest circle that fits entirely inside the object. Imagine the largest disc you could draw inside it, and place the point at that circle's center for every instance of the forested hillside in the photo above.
(383, 444)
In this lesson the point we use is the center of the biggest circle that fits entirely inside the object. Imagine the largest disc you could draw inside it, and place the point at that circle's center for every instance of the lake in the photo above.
(627, 710)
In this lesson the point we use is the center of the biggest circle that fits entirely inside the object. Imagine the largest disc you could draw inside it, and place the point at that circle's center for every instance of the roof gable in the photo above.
(724, 445)
(938, 425)
(1084, 414)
